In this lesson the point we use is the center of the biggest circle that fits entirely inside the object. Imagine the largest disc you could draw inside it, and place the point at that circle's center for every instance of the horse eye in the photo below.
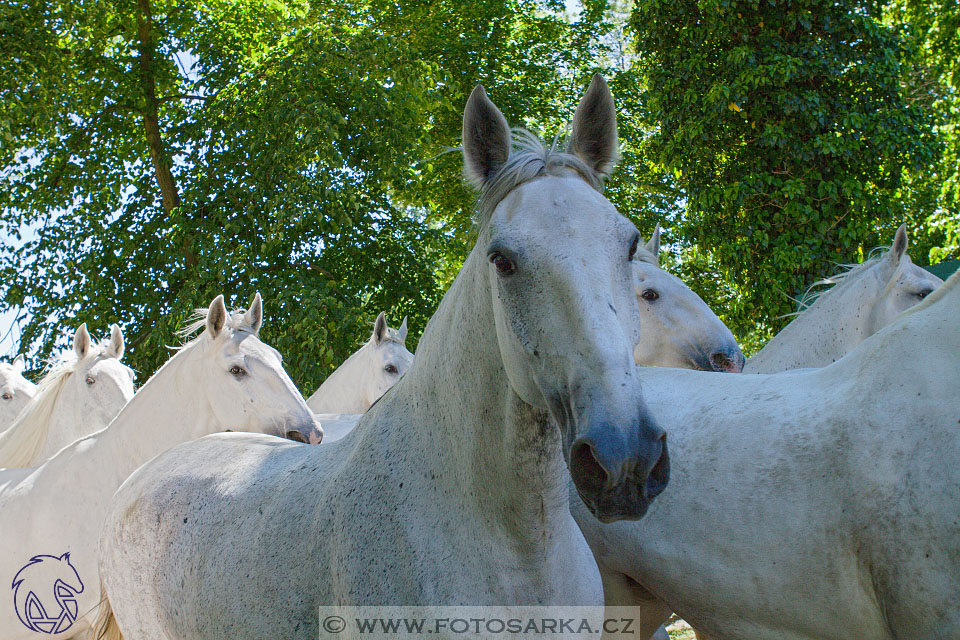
(633, 246)
(238, 371)
(923, 294)
(649, 295)
(8, 396)
(503, 264)
(391, 369)
(91, 380)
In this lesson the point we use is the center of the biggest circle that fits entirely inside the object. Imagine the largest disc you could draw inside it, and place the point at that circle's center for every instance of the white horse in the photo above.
(818, 504)
(15, 391)
(84, 390)
(678, 328)
(452, 490)
(367, 374)
(225, 379)
(862, 301)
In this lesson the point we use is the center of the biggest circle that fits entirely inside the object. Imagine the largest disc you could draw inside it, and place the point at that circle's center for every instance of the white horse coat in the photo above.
(819, 504)
(367, 374)
(84, 390)
(861, 302)
(224, 379)
(15, 391)
(452, 490)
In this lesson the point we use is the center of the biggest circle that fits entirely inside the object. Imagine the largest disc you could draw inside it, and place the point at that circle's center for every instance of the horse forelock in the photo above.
(236, 322)
(529, 158)
(647, 257)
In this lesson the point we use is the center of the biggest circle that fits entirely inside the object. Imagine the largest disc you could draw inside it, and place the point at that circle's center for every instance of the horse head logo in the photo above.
(45, 594)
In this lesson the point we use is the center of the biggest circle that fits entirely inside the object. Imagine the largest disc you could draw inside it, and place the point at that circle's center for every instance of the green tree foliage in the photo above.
(933, 82)
(787, 127)
(154, 153)
(299, 155)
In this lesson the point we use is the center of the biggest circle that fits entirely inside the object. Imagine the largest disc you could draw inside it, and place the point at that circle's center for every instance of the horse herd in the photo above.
(520, 459)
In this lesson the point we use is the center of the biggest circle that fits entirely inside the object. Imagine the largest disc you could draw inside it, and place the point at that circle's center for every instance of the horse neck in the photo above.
(461, 423)
(23, 443)
(342, 391)
(820, 335)
(68, 422)
(169, 409)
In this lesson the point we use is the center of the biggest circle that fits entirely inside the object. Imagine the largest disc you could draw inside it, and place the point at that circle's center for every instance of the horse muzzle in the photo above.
(618, 474)
(311, 433)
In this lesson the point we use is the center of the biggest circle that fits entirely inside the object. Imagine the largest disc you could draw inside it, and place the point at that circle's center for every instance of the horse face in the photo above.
(678, 329)
(909, 285)
(101, 384)
(102, 387)
(15, 391)
(566, 319)
(246, 384)
(387, 362)
(898, 284)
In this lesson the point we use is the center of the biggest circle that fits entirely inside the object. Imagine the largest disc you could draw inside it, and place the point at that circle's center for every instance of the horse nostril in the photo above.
(587, 472)
(659, 476)
(725, 363)
(296, 436)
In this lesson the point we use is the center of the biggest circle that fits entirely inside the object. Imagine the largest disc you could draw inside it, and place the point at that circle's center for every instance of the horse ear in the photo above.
(653, 244)
(116, 346)
(486, 138)
(594, 137)
(19, 363)
(216, 316)
(402, 331)
(81, 341)
(900, 243)
(66, 556)
(255, 313)
(380, 328)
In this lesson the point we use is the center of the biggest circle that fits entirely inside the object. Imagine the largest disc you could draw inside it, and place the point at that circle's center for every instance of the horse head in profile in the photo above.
(367, 374)
(241, 378)
(15, 390)
(83, 390)
(678, 328)
(44, 593)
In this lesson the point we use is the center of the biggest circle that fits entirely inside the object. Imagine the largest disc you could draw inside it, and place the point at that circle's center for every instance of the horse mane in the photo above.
(25, 437)
(847, 272)
(529, 158)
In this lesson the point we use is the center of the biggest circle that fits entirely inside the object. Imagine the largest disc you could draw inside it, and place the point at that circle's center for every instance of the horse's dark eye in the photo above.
(633, 246)
(503, 264)
(91, 380)
(8, 396)
(238, 371)
(649, 295)
(923, 294)
(391, 369)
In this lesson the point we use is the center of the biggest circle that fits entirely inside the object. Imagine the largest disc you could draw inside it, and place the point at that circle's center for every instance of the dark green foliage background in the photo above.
(306, 151)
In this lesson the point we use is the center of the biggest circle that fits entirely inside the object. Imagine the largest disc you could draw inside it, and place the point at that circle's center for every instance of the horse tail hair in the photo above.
(105, 627)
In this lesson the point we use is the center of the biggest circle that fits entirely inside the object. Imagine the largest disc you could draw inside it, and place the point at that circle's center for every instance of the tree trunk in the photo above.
(151, 122)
